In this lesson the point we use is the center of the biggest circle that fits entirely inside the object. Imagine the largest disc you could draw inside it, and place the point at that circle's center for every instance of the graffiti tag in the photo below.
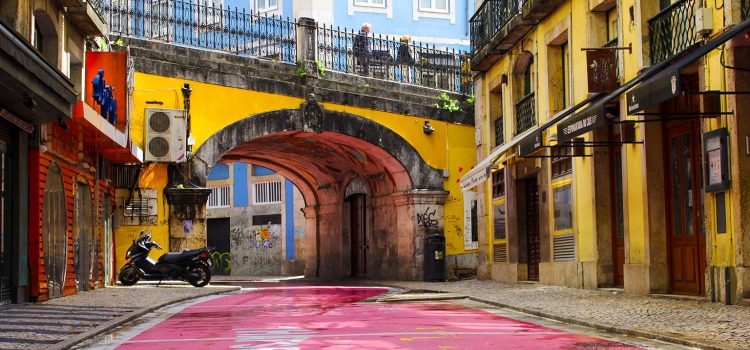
(427, 218)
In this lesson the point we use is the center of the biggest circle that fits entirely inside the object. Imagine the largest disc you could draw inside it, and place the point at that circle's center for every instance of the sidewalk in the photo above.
(63, 322)
(695, 323)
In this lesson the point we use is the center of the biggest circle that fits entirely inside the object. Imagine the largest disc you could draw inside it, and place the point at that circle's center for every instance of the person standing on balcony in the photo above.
(404, 59)
(363, 48)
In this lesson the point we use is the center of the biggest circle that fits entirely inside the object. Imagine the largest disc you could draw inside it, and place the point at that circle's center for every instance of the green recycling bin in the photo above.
(434, 258)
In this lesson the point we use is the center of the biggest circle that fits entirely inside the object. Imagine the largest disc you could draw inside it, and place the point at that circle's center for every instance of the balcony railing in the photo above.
(206, 26)
(98, 8)
(672, 31)
(525, 113)
(388, 58)
(745, 9)
(490, 18)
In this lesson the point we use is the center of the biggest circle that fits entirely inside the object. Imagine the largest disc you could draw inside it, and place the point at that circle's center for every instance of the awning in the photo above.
(31, 88)
(104, 137)
(662, 84)
(481, 171)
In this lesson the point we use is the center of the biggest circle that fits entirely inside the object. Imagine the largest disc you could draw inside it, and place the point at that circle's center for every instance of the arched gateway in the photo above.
(322, 151)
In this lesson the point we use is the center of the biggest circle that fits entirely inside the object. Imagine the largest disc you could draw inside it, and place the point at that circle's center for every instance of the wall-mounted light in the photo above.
(427, 129)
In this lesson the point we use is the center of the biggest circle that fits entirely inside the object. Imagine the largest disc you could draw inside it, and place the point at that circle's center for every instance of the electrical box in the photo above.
(704, 23)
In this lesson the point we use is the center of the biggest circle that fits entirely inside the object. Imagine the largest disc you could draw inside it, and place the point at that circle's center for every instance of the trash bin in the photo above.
(434, 258)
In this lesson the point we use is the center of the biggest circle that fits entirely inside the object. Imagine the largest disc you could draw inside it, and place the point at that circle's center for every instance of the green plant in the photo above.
(300, 72)
(321, 68)
(447, 103)
(470, 100)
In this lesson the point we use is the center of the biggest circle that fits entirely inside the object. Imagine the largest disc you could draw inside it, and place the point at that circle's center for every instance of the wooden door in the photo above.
(687, 250)
(533, 251)
(358, 226)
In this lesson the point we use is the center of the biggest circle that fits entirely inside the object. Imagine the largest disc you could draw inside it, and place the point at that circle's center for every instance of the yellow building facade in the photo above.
(611, 144)
(323, 163)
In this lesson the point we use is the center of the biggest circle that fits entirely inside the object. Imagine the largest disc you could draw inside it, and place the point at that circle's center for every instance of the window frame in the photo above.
(223, 195)
(267, 8)
(369, 3)
(433, 9)
(269, 192)
(561, 161)
(504, 238)
(498, 183)
(571, 209)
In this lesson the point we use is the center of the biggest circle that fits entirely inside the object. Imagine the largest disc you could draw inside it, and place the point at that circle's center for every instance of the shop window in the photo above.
(562, 163)
(498, 183)
(562, 206)
(498, 220)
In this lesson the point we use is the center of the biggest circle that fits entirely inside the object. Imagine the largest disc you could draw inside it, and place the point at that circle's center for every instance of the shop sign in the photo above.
(589, 119)
(654, 91)
(530, 144)
(717, 162)
(602, 70)
(107, 73)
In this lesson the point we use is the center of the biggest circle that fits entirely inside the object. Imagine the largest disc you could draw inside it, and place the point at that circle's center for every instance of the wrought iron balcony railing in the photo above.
(194, 23)
(387, 58)
(672, 31)
(745, 9)
(98, 8)
(525, 113)
(490, 18)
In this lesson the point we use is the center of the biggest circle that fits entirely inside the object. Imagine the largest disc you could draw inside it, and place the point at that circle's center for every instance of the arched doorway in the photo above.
(55, 237)
(320, 151)
(83, 237)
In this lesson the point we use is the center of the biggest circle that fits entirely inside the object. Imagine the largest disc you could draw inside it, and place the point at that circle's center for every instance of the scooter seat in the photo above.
(175, 258)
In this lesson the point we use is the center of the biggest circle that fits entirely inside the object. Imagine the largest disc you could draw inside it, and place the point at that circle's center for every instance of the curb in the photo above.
(594, 325)
(602, 326)
(112, 324)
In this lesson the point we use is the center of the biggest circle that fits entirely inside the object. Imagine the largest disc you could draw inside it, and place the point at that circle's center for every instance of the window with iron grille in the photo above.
(140, 208)
(267, 192)
(219, 197)
(562, 163)
(498, 183)
(499, 131)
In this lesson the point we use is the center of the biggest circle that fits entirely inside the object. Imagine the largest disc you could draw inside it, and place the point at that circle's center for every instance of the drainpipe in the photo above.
(727, 286)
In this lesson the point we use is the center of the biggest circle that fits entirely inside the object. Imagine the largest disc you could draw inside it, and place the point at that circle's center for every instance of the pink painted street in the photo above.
(346, 318)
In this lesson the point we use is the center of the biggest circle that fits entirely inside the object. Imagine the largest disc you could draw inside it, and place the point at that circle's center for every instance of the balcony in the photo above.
(672, 31)
(525, 113)
(745, 9)
(499, 24)
(88, 18)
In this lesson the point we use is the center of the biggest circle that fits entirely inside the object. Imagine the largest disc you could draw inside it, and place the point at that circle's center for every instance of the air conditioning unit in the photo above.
(165, 135)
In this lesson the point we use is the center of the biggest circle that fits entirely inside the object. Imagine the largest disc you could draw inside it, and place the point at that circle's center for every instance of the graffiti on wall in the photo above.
(427, 218)
(255, 250)
(222, 263)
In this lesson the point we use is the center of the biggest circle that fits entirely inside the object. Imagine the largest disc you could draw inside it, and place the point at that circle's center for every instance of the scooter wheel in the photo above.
(204, 275)
(129, 275)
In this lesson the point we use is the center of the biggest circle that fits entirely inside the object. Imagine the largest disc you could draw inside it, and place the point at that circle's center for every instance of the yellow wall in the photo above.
(152, 176)
(214, 107)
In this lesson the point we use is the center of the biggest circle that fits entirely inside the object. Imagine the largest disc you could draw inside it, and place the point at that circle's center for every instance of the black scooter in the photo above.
(193, 266)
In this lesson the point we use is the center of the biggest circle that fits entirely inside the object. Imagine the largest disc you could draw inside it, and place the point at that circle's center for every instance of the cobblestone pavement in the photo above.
(698, 323)
(56, 322)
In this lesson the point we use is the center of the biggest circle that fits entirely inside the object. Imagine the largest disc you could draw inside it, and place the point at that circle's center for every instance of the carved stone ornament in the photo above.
(312, 114)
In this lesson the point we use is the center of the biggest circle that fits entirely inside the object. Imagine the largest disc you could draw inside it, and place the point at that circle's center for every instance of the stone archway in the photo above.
(321, 151)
